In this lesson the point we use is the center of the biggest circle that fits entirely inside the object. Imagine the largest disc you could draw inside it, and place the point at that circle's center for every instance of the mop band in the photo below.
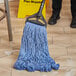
(38, 23)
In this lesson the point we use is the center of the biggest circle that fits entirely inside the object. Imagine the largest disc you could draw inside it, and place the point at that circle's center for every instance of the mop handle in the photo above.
(41, 8)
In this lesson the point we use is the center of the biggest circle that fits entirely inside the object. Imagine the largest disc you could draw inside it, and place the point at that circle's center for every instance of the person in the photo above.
(57, 5)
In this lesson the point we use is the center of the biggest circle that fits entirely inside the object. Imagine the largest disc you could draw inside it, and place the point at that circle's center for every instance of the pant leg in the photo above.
(56, 5)
(73, 8)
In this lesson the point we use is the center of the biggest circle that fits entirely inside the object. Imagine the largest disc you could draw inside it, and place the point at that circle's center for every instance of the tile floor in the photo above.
(61, 40)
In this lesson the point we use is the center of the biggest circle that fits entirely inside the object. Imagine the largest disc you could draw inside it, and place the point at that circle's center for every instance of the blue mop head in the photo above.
(34, 54)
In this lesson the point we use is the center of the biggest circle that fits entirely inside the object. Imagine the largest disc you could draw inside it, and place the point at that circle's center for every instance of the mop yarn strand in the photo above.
(34, 53)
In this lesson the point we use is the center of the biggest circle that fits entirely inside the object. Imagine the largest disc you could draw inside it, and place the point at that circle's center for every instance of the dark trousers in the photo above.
(57, 5)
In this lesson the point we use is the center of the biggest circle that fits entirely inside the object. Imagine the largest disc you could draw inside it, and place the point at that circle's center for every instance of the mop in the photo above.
(34, 53)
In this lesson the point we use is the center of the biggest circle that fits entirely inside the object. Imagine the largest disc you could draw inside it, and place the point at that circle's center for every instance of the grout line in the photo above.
(67, 51)
(52, 40)
(64, 30)
(3, 56)
(11, 70)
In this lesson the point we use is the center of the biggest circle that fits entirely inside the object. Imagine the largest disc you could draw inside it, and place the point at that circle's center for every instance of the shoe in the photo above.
(53, 19)
(73, 23)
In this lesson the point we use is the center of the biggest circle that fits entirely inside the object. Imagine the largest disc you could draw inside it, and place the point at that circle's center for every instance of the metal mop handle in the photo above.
(41, 8)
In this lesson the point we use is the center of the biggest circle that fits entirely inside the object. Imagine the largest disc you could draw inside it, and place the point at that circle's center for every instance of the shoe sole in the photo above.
(73, 26)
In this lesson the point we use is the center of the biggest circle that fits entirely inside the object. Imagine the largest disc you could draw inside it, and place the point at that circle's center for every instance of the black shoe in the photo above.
(53, 19)
(73, 23)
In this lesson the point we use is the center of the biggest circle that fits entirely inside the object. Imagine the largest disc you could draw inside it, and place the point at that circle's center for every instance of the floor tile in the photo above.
(24, 73)
(63, 40)
(58, 52)
(66, 61)
(64, 71)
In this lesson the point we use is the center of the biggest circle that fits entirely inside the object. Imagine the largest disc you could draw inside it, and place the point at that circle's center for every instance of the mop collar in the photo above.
(36, 22)
(37, 19)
